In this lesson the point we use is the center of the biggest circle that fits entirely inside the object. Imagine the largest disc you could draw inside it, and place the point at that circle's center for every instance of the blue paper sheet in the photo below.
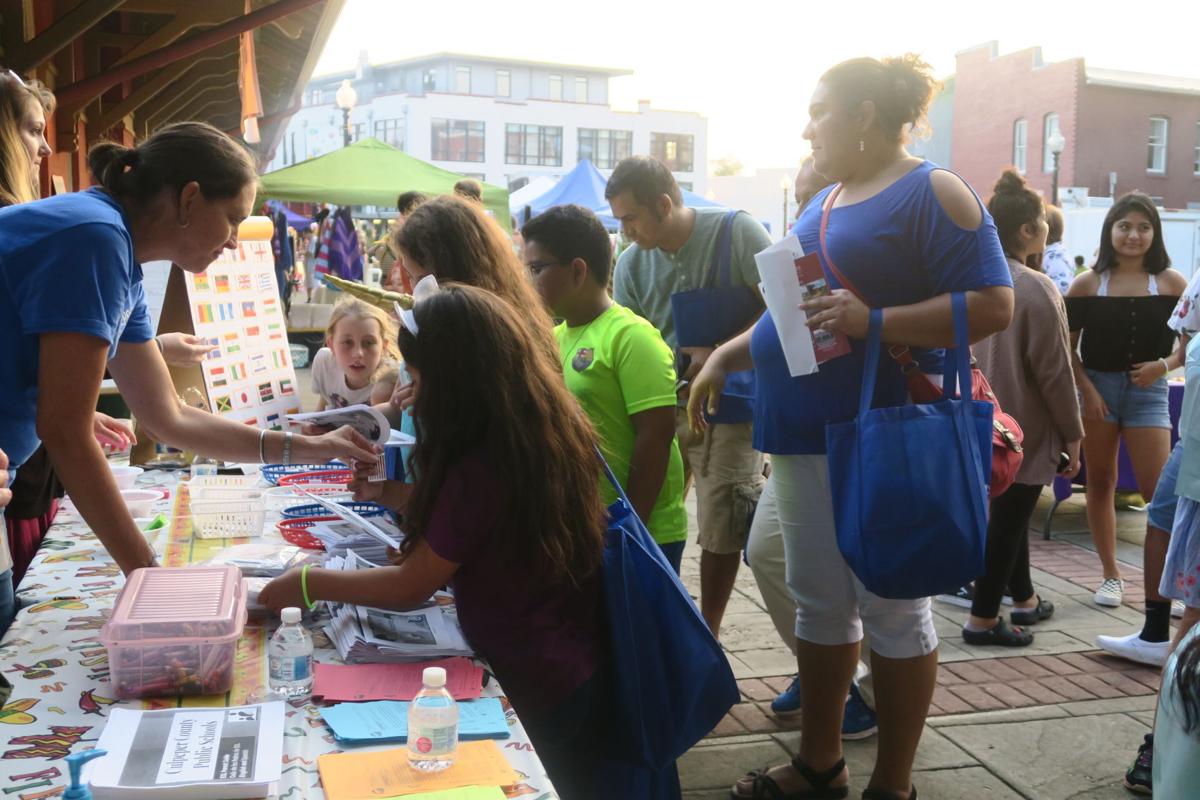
(387, 720)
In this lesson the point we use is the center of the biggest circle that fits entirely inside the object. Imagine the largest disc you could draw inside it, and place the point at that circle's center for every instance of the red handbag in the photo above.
(1007, 436)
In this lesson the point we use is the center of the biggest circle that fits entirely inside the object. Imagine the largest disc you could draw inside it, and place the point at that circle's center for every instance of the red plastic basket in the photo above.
(295, 531)
(324, 476)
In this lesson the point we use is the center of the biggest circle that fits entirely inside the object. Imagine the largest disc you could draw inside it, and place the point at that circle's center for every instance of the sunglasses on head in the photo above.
(16, 77)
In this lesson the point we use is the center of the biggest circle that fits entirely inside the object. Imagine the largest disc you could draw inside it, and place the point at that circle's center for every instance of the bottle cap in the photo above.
(75, 762)
(290, 615)
(434, 676)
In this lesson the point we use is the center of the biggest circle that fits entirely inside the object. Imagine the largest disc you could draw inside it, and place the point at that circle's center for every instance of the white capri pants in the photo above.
(833, 607)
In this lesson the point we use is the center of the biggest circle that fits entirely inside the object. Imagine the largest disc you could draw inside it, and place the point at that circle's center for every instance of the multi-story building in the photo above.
(503, 121)
(1122, 130)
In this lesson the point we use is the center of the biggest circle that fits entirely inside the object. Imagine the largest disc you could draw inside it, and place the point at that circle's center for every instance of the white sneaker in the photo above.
(1134, 648)
(1176, 608)
(1110, 592)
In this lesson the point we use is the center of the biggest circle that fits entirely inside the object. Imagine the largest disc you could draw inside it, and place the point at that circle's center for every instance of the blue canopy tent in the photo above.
(294, 220)
(584, 186)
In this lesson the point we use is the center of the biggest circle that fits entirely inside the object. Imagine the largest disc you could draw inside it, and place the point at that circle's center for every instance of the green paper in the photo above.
(465, 793)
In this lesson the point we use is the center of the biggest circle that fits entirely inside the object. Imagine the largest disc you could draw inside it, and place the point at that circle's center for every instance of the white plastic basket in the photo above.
(280, 497)
(227, 519)
(224, 487)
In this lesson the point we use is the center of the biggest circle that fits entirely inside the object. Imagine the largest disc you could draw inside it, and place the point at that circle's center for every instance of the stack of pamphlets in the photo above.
(189, 753)
(373, 635)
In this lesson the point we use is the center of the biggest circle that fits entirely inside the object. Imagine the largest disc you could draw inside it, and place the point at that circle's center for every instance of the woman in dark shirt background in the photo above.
(1119, 310)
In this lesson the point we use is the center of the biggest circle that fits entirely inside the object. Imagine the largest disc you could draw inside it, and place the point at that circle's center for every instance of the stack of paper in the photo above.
(338, 683)
(373, 635)
(386, 773)
(196, 753)
(343, 536)
(387, 721)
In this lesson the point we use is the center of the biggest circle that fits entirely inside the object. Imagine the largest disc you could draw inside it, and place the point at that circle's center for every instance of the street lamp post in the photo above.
(345, 99)
(785, 184)
(1057, 142)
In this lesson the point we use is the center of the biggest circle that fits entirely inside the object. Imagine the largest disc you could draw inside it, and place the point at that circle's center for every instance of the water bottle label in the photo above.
(432, 741)
(291, 668)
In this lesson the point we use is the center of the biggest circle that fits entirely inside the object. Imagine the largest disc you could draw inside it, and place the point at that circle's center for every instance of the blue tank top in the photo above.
(898, 248)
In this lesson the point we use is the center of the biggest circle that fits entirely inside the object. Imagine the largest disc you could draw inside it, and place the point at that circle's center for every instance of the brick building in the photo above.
(1141, 130)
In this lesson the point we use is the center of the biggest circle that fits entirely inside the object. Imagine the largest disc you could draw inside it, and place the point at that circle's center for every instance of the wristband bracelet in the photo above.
(1166, 367)
(262, 446)
(287, 448)
(309, 604)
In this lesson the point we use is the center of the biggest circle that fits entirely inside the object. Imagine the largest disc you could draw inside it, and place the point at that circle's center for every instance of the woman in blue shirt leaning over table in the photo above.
(906, 234)
(72, 304)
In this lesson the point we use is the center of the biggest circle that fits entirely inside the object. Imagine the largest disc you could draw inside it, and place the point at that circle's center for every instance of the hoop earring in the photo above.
(185, 223)
(862, 146)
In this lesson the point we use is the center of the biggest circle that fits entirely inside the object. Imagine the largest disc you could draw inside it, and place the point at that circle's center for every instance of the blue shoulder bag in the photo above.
(910, 483)
(671, 682)
(703, 317)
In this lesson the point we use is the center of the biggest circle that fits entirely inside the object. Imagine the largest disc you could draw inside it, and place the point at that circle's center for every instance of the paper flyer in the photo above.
(235, 752)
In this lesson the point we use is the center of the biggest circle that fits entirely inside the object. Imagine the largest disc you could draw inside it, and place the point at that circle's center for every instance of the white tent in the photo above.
(528, 193)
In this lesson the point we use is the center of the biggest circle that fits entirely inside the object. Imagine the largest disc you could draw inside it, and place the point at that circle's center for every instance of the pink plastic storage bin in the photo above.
(174, 631)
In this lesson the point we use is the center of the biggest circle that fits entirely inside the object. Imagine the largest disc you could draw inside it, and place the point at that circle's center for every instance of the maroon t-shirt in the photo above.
(542, 641)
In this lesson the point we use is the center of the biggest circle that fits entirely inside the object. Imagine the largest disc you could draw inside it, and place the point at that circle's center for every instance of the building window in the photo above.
(1049, 128)
(604, 148)
(556, 87)
(462, 80)
(581, 90)
(457, 140)
(390, 131)
(539, 145)
(1020, 142)
(673, 149)
(1196, 164)
(1156, 151)
(503, 83)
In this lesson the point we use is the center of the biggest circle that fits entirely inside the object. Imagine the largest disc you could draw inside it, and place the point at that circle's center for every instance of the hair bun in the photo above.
(1010, 182)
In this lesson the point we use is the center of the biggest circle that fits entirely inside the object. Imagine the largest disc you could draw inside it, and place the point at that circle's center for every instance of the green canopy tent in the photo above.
(369, 173)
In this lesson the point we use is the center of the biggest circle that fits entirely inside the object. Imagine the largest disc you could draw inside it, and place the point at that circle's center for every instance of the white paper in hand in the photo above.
(361, 522)
(783, 295)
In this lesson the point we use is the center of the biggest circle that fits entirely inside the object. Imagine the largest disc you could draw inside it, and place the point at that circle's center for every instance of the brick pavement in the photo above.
(989, 702)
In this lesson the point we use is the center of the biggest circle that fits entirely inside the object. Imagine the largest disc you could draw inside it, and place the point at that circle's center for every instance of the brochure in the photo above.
(387, 721)
(368, 421)
(189, 753)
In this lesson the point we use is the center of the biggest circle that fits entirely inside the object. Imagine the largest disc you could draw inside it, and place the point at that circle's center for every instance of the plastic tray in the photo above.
(296, 532)
(314, 510)
(227, 518)
(342, 476)
(281, 497)
(174, 631)
(271, 473)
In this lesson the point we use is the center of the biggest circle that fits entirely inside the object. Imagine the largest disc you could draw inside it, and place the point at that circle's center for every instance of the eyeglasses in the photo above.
(536, 267)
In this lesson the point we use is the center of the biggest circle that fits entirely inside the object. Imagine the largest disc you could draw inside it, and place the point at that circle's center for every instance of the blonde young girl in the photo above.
(358, 362)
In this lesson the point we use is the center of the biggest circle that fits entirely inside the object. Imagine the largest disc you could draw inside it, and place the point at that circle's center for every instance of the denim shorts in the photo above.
(1161, 513)
(1130, 405)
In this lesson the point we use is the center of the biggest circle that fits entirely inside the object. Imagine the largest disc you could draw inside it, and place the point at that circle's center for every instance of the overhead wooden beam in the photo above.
(66, 29)
(77, 95)
(187, 19)
(151, 88)
(191, 88)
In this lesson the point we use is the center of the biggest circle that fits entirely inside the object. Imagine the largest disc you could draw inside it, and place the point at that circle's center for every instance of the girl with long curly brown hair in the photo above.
(507, 511)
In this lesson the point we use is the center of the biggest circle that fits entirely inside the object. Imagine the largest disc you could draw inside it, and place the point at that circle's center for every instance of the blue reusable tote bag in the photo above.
(910, 483)
(703, 317)
(671, 682)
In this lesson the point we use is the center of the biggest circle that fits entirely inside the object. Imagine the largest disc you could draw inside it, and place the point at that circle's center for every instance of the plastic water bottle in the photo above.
(290, 657)
(203, 465)
(432, 724)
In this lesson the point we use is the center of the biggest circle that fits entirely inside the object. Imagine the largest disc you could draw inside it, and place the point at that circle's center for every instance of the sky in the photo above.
(750, 66)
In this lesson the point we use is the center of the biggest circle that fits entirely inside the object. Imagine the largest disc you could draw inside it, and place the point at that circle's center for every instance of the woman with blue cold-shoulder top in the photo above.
(907, 234)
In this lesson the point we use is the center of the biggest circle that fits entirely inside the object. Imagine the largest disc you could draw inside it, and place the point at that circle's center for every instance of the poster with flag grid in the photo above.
(234, 305)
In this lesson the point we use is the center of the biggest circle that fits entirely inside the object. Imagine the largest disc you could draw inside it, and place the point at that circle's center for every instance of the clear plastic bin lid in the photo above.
(183, 603)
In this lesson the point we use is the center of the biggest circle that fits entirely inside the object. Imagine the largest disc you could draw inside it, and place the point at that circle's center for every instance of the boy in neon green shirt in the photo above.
(616, 364)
